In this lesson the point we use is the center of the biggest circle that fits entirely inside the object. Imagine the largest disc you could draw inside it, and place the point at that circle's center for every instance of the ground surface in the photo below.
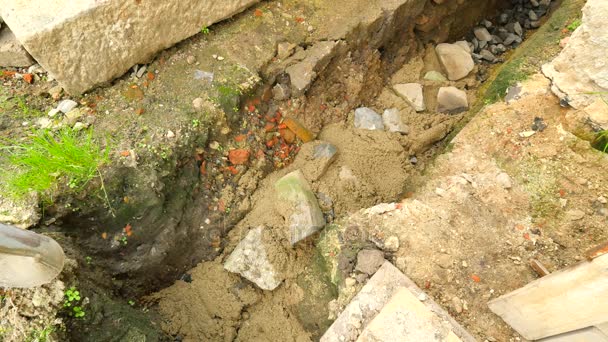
(173, 183)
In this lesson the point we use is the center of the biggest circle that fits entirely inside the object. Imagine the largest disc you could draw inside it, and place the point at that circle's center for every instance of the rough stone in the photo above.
(303, 73)
(281, 92)
(366, 118)
(456, 61)
(12, 54)
(73, 116)
(581, 69)
(435, 76)
(66, 105)
(504, 180)
(284, 50)
(369, 261)
(412, 93)
(86, 43)
(299, 206)
(451, 100)
(252, 258)
(482, 33)
(391, 118)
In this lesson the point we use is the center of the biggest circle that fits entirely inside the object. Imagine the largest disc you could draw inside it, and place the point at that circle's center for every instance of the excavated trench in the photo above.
(201, 217)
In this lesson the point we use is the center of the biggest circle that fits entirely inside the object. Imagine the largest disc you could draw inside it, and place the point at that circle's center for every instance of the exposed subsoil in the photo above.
(204, 219)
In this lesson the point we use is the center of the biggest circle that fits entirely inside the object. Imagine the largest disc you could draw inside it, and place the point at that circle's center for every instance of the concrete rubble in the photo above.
(252, 260)
(112, 35)
(366, 118)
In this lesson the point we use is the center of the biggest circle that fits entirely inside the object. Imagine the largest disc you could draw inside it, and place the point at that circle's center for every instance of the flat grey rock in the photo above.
(366, 118)
(392, 121)
(12, 54)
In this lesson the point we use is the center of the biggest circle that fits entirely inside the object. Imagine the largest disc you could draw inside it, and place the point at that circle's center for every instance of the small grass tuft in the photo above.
(574, 24)
(601, 141)
(45, 160)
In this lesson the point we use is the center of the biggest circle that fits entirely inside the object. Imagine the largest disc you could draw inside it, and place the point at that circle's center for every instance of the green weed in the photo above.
(601, 141)
(45, 160)
(40, 336)
(71, 302)
(228, 97)
(205, 30)
(574, 24)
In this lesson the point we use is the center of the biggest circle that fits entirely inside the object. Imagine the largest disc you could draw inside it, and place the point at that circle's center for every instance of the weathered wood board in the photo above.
(563, 301)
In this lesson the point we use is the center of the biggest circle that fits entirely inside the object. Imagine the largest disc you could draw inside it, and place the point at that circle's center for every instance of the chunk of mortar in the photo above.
(298, 205)
(258, 258)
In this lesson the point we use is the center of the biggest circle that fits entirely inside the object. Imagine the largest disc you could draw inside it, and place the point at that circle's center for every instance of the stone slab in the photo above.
(88, 42)
(373, 298)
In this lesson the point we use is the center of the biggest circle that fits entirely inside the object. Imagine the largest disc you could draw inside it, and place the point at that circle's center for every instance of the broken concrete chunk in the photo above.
(303, 73)
(392, 121)
(255, 259)
(412, 93)
(451, 100)
(12, 54)
(456, 61)
(366, 118)
(299, 206)
(369, 261)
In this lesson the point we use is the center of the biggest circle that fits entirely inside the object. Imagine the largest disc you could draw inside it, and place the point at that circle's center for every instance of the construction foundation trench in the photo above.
(231, 244)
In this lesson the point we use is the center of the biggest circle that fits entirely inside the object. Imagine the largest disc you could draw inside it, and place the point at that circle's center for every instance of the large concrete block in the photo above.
(12, 54)
(88, 42)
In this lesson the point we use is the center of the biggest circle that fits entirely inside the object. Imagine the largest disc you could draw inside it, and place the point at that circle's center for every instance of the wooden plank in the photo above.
(603, 327)
(563, 301)
(591, 334)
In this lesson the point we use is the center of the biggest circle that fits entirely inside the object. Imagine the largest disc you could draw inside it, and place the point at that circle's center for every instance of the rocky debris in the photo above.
(504, 180)
(412, 94)
(285, 50)
(391, 244)
(366, 118)
(493, 38)
(253, 259)
(576, 74)
(575, 215)
(539, 124)
(66, 106)
(597, 114)
(369, 261)
(451, 100)
(391, 118)
(456, 61)
(319, 155)
(435, 76)
(298, 205)
(80, 64)
(198, 103)
(303, 73)
(281, 92)
(482, 34)
(55, 92)
(12, 54)
(204, 76)
(73, 116)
